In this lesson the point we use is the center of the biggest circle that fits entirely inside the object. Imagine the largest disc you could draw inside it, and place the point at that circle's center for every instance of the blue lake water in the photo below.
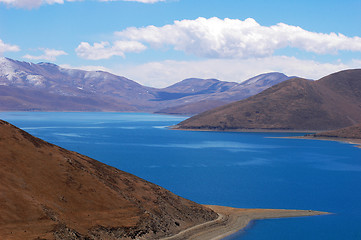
(246, 170)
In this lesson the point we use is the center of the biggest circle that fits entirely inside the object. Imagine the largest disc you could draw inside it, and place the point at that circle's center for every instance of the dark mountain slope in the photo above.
(13, 98)
(297, 104)
(47, 192)
(345, 83)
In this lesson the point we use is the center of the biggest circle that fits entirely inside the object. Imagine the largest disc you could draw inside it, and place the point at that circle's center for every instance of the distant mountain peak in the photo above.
(266, 77)
(193, 81)
(7, 68)
(193, 87)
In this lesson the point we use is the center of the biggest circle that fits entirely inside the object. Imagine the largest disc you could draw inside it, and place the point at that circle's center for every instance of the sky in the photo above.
(160, 42)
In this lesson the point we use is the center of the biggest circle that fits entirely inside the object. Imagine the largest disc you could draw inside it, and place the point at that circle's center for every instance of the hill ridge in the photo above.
(296, 104)
(52, 193)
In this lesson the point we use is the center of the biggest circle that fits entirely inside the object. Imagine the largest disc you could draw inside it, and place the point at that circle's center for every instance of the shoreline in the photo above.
(246, 130)
(353, 141)
(232, 220)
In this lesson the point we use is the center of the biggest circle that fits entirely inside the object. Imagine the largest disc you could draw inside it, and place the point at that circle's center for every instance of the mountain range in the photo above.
(224, 92)
(47, 192)
(331, 102)
(26, 86)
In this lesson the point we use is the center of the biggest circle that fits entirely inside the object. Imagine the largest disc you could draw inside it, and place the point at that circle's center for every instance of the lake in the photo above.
(245, 170)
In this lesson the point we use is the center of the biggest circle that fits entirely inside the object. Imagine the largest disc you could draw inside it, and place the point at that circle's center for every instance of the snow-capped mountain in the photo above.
(104, 90)
(67, 82)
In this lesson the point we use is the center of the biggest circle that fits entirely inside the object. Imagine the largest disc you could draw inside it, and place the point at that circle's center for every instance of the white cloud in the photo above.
(105, 50)
(29, 4)
(165, 73)
(49, 55)
(234, 38)
(4, 47)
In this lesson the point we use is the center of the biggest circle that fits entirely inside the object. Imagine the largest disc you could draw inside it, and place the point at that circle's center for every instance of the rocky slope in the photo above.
(297, 104)
(47, 192)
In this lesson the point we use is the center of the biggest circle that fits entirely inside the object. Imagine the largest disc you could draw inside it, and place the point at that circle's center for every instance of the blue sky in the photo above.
(160, 43)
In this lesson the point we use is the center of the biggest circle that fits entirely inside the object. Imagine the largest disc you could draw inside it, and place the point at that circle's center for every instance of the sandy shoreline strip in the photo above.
(232, 220)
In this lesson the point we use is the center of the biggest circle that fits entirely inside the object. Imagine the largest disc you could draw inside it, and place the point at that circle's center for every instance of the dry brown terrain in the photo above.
(47, 192)
(330, 103)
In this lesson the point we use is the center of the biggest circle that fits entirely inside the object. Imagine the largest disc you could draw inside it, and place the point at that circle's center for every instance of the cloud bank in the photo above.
(234, 38)
(4, 47)
(49, 55)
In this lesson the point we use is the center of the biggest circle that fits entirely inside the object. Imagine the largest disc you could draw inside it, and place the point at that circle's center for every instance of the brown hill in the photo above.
(297, 104)
(47, 192)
